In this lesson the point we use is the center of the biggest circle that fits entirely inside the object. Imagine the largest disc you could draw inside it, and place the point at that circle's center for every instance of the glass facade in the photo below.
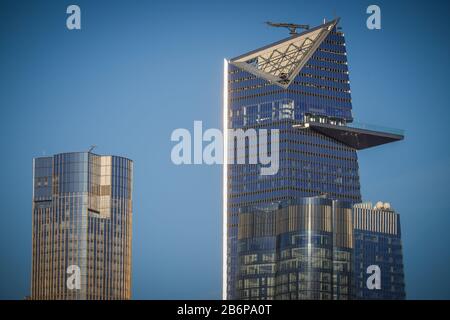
(82, 216)
(300, 250)
(378, 242)
(299, 80)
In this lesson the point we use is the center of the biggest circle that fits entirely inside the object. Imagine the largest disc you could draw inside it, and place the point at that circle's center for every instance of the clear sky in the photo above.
(140, 69)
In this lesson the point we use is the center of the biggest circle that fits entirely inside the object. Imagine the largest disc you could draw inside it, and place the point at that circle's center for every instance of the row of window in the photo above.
(290, 91)
(324, 78)
(326, 50)
(330, 60)
(300, 83)
(354, 196)
(322, 87)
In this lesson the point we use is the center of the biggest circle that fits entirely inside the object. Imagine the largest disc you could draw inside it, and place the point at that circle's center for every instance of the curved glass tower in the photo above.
(300, 250)
(82, 218)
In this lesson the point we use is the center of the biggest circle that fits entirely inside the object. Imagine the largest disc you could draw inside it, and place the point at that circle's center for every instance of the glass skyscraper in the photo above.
(82, 219)
(290, 235)
(378, 242)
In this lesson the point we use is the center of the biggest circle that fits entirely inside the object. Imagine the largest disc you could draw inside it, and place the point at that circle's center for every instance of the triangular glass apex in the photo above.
(280, 62)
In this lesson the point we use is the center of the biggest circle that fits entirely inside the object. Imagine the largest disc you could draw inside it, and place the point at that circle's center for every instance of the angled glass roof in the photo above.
(280, 62)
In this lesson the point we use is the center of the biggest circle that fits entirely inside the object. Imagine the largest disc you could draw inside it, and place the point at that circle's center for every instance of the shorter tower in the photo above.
(82, 218)
(377, 241)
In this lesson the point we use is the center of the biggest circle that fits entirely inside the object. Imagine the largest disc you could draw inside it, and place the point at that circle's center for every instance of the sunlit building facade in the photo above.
(82, 219)
(300, 250)
(300, 86)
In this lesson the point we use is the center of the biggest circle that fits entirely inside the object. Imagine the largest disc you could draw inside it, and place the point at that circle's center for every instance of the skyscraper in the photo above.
(378, 243)
(82, 218)
(300, 86)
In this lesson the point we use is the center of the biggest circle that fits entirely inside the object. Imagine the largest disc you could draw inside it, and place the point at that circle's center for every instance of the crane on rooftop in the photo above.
(291, 26)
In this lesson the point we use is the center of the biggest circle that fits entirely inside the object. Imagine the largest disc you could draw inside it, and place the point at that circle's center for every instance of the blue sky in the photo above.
(140, 69)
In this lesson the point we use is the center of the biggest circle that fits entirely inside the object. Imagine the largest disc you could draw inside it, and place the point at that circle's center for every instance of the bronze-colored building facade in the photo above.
(300, 250)
(82, 227)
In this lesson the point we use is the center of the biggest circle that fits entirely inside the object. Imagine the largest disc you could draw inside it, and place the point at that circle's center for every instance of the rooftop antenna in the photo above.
(291, 26)
(92, 148)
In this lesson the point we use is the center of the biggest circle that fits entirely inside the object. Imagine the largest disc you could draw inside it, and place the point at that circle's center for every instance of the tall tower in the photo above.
(82, 218)
(299, 85)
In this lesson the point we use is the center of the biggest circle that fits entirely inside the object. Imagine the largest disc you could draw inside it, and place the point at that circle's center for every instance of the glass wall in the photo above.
(378, 242)
(82, 216)
(300, 250)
